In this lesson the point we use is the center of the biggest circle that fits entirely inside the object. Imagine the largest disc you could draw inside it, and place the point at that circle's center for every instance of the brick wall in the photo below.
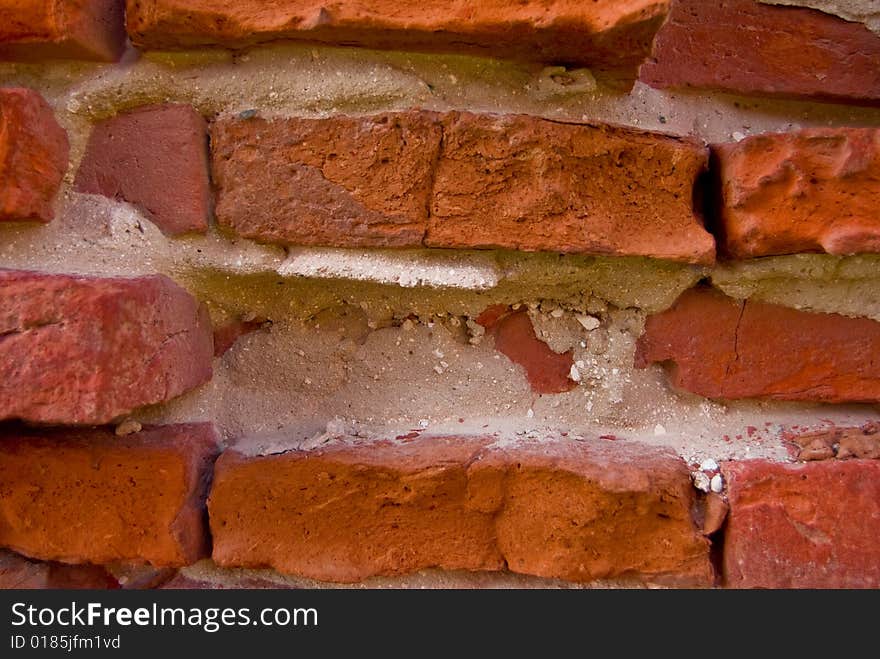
(430, 294)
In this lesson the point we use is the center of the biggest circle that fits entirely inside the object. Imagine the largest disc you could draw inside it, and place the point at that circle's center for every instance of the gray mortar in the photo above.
(207, 571)
(866, 12)
(812, 282)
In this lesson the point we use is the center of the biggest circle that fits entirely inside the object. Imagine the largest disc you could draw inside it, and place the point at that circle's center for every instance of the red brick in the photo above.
(715, 509)
(604, 35)
(837, 442)
(497, 182)
(815, 190)
(344, 181)
(803, 526)
(746, 47)
(718, 347)
(346, 511)
(88, 496)
(19, 572)
(546, 371)
(526, 183)
(86, 350)
(33, 156)
(157, 158)
(49, 29)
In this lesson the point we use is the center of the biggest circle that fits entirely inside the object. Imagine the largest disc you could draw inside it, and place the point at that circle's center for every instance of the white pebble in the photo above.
(659, 430)
(424, 423)
(709, 465)
(739, 137)
(574, 373)
(530, 413)
(717, 483)
(557, 313)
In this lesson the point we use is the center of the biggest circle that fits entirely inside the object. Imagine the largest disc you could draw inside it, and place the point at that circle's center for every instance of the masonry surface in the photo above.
(389, 295)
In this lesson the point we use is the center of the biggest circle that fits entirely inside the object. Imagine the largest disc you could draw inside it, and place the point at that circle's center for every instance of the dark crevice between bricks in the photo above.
(206, 482)
(716, 552)
(707, 202)
(701, 515)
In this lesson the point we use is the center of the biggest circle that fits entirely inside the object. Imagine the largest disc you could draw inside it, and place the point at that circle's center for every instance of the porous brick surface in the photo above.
(85, 350)
(574, 510)
(89, 496)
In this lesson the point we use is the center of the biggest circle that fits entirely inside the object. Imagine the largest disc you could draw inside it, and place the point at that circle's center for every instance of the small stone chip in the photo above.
(128, 427)
(701, 481)
(589, 323)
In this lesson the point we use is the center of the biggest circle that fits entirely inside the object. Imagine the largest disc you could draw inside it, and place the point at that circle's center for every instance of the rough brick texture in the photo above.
(88, 496)
(157, 158)
(574, 510)
(507, 182)
(20, 573)
(836, 442)
(723, 348)
(514, 335)
(347, 182)
(33, 156)
(803, 526)
(85, 350)
(746, 47)
(524, 183)
(48, 29)
(813, 190)
(605, 34)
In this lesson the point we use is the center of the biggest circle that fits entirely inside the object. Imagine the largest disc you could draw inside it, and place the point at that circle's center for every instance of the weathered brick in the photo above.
(719, 347)
(607, 35)
(812, 525)
(344, 181)
(837, 442)
(526, 183)
(816, 189)
(88, 496)
(747, 47)
(352, 509)
(49, 29)
(497, 182)
(33, 156)
(157, 158)
(85, 350)
(20, 573)
(547, 371)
